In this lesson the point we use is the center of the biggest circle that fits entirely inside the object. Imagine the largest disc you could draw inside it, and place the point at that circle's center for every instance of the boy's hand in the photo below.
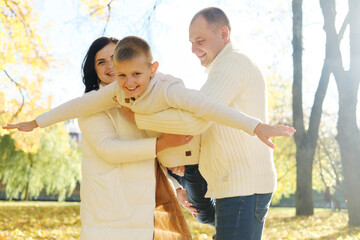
(265, 131)
(184, 201)
(23, 126)
(180, 170)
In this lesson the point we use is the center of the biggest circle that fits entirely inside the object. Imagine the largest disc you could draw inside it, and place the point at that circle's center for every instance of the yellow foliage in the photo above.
(53, 220)
(96, 8)
(21, 47)
(280, 112)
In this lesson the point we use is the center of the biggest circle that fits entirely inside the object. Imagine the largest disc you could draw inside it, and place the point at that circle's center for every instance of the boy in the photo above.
(143, 90)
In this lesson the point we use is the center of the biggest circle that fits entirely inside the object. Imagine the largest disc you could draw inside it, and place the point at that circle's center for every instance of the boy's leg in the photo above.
(241, 218)
(177, 178)
(196, 188)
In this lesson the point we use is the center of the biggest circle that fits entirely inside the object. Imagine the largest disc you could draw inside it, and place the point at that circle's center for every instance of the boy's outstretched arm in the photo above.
(88, 104)
(23, 126)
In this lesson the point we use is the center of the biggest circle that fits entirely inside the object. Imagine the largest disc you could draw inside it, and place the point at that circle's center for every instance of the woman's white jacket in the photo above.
(118, 180)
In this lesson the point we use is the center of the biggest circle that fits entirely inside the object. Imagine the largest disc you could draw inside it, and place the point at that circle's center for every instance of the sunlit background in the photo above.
(261, 29)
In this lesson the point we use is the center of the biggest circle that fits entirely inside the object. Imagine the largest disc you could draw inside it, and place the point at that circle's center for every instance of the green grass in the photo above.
(56, 220)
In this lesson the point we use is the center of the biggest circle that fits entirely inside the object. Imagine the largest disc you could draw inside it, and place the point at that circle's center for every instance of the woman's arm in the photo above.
(100, 133)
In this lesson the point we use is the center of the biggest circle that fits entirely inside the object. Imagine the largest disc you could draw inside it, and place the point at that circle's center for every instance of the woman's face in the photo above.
(104, 64)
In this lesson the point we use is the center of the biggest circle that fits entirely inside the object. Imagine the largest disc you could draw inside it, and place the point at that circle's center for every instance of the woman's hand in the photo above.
(23, 126)
(265, 131)
(129, 114)
(171, 140)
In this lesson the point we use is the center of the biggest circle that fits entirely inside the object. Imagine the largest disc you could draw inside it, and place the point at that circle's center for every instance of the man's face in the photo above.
(134, 75)
(207, 42)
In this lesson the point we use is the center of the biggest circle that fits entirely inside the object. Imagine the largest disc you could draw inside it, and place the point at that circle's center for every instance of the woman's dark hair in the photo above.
(89, 76)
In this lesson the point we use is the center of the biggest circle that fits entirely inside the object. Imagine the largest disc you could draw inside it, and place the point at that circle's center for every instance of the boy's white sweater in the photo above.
(232, 162)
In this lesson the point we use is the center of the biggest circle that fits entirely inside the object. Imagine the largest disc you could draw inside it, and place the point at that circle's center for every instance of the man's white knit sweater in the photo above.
(232, 162)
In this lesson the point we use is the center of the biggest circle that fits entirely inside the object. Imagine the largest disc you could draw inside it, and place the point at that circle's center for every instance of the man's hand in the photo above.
(265, 131)
(23, 126)
(179, 170)
(171, 140)
(129, 114)
(184, 201)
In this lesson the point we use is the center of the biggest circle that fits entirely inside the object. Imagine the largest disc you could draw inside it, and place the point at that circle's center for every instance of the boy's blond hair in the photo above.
(132, 47)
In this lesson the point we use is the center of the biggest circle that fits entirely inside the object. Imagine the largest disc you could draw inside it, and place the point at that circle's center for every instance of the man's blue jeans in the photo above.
(237, 218)
(241, 218)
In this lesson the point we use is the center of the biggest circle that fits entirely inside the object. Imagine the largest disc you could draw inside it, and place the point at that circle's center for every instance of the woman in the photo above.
(118, 168)
(118, 185)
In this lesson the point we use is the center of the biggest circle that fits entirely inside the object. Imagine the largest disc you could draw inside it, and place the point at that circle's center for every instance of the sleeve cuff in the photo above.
(42, 120)
(252, 125)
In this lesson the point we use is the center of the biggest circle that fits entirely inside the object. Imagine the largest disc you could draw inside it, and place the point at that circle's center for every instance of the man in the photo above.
(237, 167)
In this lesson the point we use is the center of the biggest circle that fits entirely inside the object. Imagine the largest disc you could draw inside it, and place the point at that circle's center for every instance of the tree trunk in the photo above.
(306, 141)
(348, 132)
(349, 141)
(304, 199)
(26, 198)
(348, 85)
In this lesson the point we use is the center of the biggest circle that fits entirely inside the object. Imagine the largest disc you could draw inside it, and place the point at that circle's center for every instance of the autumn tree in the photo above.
(54, 168)
(347, 81)
(306, 140)
(326, 167)
(327, 162)
(21, 99)
(20, 92)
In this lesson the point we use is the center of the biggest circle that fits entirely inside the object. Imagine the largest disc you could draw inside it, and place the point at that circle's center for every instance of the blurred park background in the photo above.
(308, 51)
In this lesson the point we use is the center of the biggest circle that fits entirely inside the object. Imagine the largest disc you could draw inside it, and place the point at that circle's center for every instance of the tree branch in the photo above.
(343, 28)
(316, 110)
(321, 169)
(20, 88)
(332, 40)
(108, 17)
(288, 170)
(27, 29)
(337, 177)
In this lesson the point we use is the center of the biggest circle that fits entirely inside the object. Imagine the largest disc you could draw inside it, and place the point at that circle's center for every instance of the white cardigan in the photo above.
(118, 180)
(232, 162)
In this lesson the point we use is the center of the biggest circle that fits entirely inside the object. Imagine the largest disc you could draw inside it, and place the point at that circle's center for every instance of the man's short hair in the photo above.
(214, 16)
(132, 47)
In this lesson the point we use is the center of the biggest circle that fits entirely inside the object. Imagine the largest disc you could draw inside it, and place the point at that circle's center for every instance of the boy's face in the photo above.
(134, 75)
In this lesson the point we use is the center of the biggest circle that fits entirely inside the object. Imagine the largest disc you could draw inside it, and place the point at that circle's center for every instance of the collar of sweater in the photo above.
(228, 48)
(149, 87)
